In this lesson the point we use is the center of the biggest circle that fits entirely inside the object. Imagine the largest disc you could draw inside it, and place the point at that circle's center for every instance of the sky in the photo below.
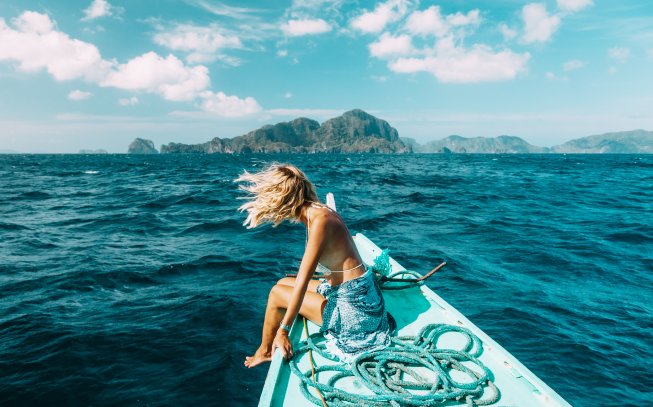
(95, 74)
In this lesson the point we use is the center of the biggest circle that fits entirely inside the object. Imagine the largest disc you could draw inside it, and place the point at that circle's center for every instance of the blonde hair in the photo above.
(275, 194)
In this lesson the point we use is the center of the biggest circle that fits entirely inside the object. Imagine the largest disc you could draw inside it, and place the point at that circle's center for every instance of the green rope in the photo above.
(382, 268)
(391, 373)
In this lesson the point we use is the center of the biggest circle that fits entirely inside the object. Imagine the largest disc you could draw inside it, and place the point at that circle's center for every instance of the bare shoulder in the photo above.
(324, 220)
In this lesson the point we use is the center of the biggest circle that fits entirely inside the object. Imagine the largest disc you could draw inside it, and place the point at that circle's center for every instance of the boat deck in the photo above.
(414, 308)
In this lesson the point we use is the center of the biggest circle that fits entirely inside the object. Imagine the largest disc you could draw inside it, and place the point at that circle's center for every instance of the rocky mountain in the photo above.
(625, 142)
(485, 145)
(359, 132)
(142, 146)
(354, 132)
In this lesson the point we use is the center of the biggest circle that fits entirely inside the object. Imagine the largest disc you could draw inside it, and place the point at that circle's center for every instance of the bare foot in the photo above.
(262, 355)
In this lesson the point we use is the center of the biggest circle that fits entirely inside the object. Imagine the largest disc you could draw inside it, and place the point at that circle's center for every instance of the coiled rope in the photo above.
(398, 375)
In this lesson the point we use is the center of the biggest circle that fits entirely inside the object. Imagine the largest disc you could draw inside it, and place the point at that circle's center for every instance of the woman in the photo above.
(346, 303)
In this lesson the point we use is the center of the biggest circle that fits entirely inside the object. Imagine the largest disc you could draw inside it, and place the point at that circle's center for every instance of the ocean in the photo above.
(130, 280)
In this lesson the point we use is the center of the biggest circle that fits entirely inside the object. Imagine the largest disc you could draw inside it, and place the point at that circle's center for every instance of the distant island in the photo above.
(99, 151)
(353, 132)
(357, 131)
(142, 146)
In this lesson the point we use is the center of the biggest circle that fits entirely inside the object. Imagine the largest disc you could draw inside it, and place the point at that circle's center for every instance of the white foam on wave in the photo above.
(91, 172)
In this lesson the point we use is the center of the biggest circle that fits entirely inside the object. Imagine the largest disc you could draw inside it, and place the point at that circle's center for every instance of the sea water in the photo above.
(129, 280)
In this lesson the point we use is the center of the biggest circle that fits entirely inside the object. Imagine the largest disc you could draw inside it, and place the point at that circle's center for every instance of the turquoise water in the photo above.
(129, 280)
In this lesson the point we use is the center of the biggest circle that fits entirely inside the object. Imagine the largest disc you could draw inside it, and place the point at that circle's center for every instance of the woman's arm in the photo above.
(312, 254)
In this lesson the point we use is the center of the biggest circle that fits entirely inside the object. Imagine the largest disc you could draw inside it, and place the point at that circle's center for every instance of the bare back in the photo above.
(340, 251)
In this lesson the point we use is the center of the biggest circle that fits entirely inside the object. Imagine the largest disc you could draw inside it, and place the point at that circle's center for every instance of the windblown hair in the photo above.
(275, 194)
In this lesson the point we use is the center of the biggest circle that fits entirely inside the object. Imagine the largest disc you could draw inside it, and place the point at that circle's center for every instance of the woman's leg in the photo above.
(278, 300)
(312, 285)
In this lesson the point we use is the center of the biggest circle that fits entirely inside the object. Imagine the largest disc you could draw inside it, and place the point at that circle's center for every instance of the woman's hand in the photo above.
(282, 342)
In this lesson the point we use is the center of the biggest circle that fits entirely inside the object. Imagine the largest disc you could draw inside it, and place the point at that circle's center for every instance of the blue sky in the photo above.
(98, 73)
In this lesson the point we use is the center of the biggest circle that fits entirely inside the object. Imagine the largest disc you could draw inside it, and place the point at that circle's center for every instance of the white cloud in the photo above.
(34, 23)
(427, 22)
(551, 76)
(507, 32)
(282, 53)
(383, 14)
(297, 28)
(460, 20)
(228, 106)
(35, 45)
(168, 77)
(287, 95)
(456, 64)
(573, 5)
(572, 65)
(619, 54)
(388, 45)
(78, 95)
(539, 25)
(432, 22)
(97, 9)
(201, 43)
(128, 101)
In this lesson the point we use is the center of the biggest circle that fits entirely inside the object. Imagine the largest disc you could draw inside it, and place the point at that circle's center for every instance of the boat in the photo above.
(414, 308)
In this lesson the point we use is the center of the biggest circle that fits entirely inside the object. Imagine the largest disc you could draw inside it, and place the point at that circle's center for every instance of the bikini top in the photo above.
(320, 267)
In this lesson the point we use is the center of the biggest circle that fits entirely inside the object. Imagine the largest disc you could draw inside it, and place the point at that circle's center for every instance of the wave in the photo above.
(12, 226)
(33, 195)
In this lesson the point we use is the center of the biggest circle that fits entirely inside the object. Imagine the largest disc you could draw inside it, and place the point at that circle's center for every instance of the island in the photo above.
(142, 146)
(354, 131)
(357, 131)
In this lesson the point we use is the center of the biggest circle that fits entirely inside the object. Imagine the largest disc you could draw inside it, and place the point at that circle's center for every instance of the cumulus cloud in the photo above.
(432, 42)
(297, 28)
(128, 101)
(619, 54)
(426, 22)
(97, 9)
(572, 65)
(507, 32)
(388, 45)
(78, 95)
(539, 25)
(203, 44)
(456, 64)
(167, 77)
(432, 22)
(460, 19)
(384, 13)
(229, 106)
(34, 45)
(573, 5)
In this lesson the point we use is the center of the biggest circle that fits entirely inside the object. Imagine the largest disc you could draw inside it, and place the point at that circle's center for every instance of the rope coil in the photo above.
(395, 375)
